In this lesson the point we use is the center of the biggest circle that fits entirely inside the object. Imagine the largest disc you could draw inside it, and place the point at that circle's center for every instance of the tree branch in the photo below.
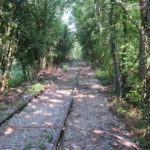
(129, 16)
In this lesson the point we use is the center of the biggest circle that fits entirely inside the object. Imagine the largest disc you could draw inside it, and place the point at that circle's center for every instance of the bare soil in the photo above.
(9, 99)
(35, 126)
(89, 126)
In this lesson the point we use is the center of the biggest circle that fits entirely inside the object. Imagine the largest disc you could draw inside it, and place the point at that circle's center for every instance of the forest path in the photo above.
(35, 126)
(89, 126)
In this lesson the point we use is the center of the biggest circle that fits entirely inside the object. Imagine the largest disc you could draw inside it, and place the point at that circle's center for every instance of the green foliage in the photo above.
(65, 66)
(106, 78)
(76, 51)
(109, 34)
(18, 78)
(41, 146)
(2, 108)
(48, 136)
(134, 121)
(32, 33)
(64, 44)
(35, 88)
(93, 33)
(32, 36)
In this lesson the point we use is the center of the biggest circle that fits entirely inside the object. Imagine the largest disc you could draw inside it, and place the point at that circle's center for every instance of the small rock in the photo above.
(114, 144)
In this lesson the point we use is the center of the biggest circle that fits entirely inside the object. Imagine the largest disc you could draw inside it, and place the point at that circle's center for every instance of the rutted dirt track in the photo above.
(89, 126)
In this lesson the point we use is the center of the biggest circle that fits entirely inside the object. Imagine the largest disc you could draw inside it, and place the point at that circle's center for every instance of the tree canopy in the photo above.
(114, 36)
(32, 34)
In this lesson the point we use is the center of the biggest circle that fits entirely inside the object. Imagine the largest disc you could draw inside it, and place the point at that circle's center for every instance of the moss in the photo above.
(104, 76)
(48, 136)
(35, 88)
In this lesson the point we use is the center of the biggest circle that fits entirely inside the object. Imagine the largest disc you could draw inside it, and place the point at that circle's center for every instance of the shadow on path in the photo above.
(90, 125)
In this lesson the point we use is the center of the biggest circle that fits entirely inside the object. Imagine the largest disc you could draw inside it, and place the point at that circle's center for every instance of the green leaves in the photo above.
(30, 32)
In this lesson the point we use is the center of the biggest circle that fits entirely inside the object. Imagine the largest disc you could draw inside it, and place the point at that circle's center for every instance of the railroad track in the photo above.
(59, 133)
(25, 121)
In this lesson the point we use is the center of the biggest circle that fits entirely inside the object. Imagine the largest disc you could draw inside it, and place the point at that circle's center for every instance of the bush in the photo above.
(104, 76)
(17, 79)
(35, 88)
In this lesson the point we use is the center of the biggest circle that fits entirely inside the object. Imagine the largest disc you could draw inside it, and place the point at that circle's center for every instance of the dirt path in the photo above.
(34, 127)
(89, 126)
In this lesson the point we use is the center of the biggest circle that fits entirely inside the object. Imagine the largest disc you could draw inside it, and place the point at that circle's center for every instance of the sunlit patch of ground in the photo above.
(38, 121)
(90, 125)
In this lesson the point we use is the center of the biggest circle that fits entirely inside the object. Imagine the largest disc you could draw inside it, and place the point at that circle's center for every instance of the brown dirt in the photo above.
(89, 126)
(33, 127)
(11, 98)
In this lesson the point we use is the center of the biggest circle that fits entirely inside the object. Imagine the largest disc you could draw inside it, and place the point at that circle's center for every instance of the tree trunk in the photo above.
(23, 68)
(3, 82)
(123, 67)
(113, 48)
(6, 66)
(144, 44)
